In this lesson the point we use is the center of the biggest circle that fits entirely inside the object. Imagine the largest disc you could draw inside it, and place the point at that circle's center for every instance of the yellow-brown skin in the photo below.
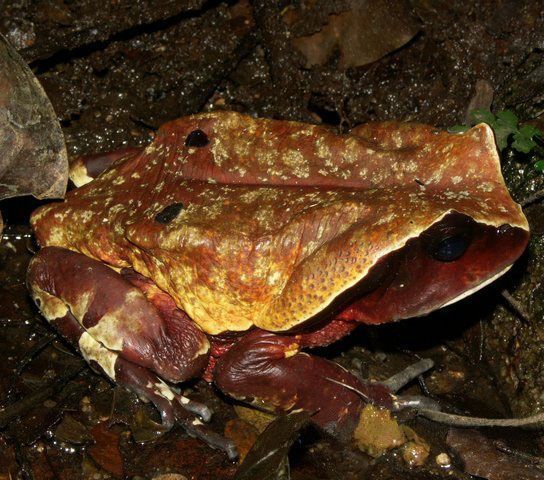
(279, 218)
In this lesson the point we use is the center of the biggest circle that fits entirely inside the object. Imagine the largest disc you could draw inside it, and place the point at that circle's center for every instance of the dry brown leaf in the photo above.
(33, 159)
(367, 31)
(482, 458)
(259, 419)
(105, 452)
(243, 434)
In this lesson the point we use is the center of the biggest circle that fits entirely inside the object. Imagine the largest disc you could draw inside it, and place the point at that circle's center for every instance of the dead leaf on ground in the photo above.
(367, 31)
(33, 159)
(269, 453)
(243, 434)
(259, 419)
(482, 458)
(105, 452)
(72, 431)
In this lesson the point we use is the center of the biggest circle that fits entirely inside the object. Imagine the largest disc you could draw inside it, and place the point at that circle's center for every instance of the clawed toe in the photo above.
(172, 406)
(195, 428)
(183, 410)
(399, 380)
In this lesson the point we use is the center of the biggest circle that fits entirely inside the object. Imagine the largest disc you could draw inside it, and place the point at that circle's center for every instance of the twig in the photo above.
(517, 306)
(20, 407)
(33, 352)
(535, 197)
(517, 453)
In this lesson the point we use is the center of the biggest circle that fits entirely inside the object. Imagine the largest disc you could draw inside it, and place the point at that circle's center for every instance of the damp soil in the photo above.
(115, 74)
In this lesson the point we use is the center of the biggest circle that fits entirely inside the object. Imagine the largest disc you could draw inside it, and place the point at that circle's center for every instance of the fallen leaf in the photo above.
(72, 431)
(482, 458)
(105, 452)
(269, 453)
(260, 420)
(367, 31)
(33, 159)
(243, 434)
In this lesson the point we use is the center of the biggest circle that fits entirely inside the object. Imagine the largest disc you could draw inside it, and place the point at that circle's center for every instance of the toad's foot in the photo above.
(173, 407)
(124, 334)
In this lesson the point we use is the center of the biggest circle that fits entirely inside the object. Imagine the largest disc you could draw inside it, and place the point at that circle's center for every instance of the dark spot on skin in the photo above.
(197, 138)
(167, 214)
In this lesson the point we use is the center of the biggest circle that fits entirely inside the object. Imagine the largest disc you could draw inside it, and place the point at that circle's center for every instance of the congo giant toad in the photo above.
(230, 244)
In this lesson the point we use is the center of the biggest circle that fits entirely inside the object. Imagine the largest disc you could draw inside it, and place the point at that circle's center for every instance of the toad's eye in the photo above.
(448, 249)
(449, 239)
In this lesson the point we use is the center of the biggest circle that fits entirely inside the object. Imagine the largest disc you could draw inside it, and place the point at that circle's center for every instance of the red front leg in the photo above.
(268, 371)
(117, 314)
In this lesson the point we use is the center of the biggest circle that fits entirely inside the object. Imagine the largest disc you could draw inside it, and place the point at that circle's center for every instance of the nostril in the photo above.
(168, 213)
(197, 138)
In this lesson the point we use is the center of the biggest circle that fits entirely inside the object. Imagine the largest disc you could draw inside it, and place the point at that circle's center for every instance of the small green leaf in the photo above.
(481, 115)
(523, 138)
(508, 118)
(522, 144)
(506, 128)
(539, 165)
(530, 131)
(502, 132)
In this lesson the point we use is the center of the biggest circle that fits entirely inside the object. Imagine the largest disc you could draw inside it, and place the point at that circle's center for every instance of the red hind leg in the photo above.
(123, 334)
(117, 314)
(268, 371)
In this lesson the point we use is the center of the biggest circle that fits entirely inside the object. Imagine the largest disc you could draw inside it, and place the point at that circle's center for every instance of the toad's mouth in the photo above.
(415, 279)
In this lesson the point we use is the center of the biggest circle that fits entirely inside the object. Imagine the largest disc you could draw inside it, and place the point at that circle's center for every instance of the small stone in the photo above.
(415, 454)
(416, 450)
(443, 460)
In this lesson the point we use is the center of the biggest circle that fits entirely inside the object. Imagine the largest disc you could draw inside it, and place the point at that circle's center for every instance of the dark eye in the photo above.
(449, 239)
(449, 248)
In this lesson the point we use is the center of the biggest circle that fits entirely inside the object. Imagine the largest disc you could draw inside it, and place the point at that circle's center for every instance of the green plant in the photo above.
(505, 124)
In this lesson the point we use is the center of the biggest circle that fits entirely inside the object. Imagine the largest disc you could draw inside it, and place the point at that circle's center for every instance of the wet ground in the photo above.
(114, 74)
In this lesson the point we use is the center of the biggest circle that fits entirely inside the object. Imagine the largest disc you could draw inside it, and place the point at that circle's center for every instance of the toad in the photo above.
(231, 245)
